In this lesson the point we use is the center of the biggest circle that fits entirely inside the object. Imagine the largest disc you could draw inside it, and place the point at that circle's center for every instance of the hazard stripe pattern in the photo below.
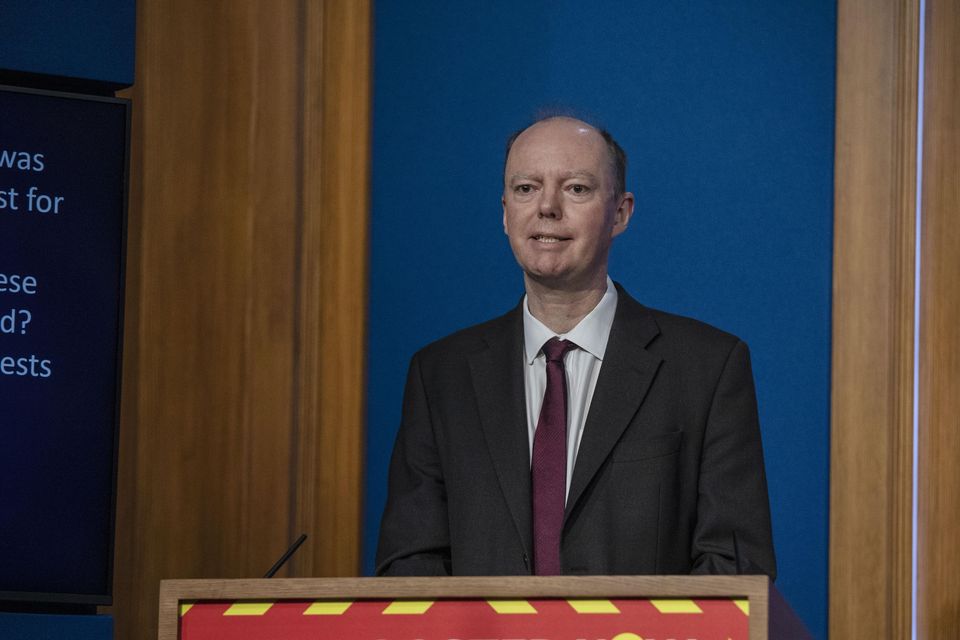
(557, 619)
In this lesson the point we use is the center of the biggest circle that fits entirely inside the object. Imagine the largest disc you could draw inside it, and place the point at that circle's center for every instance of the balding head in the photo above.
(616, 157)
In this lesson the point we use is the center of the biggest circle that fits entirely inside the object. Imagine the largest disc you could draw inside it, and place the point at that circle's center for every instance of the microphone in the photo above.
(286, 556)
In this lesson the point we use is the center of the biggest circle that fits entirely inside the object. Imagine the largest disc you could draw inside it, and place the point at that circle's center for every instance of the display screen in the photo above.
(63, 161)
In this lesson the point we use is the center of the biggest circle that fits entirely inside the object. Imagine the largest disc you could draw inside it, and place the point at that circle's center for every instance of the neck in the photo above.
(562, 309)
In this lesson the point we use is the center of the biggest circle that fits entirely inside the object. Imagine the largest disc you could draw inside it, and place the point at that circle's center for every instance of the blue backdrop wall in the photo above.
(89, 40)
(726, 112)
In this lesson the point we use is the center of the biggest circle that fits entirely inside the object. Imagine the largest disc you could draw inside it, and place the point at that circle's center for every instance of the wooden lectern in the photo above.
(488, 608)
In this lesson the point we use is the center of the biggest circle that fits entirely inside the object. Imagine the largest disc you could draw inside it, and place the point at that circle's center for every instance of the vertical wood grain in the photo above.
(246, 298)
(872, 360)
(333, 283)
(939, 398)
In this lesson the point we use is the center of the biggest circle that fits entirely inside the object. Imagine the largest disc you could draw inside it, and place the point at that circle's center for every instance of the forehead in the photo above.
(558, 144)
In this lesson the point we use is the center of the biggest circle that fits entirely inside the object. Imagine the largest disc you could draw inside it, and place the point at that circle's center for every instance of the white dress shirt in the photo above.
(582, 368)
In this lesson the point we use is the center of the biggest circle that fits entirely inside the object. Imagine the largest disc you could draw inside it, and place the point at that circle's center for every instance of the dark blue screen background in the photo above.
(58, 432)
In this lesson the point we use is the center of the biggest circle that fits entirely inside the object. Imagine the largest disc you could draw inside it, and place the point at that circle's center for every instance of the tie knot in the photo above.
(555, 348)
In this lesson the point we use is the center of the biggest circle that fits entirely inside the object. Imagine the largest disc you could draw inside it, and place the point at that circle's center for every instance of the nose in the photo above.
(550, 204)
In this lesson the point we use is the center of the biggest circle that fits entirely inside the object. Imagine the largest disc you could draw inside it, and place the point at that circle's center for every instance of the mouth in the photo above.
(548, 239)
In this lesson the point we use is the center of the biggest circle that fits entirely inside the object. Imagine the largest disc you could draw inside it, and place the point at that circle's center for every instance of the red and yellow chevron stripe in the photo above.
(547, 619)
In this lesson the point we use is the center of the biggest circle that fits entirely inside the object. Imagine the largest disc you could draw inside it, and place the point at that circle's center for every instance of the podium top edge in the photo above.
(469, 587)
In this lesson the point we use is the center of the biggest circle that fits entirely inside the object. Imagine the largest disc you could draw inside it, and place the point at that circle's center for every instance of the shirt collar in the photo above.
(590, 334)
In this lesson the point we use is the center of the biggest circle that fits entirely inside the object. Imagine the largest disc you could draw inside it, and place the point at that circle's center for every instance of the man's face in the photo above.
(559, 207)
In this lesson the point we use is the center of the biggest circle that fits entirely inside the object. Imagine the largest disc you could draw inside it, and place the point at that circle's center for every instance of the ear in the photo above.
(503, 203)
(621, 217)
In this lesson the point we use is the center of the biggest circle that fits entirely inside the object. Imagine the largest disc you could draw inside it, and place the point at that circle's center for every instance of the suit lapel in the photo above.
(626, 374)
(497, 373)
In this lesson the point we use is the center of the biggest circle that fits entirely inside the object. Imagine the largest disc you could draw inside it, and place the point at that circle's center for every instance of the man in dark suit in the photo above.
(581, 432)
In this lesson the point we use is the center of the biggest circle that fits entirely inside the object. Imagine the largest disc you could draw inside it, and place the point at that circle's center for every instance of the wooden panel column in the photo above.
(243, 380)
(333, 283)
(939, 397)
(873, 303)
(871, 485)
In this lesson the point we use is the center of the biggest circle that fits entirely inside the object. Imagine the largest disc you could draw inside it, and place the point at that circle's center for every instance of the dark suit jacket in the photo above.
(669, 477)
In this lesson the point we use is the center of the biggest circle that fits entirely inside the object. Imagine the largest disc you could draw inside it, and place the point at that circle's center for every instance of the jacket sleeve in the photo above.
(414, 531)
(733, 533)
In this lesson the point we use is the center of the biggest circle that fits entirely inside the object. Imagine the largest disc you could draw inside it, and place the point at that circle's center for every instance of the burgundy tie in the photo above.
(549, 464)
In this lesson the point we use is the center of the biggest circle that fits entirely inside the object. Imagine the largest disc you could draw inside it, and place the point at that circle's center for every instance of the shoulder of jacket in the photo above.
(683, 330)
(472, 338)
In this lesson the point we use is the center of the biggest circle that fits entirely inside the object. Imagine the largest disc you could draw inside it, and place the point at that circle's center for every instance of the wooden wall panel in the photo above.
(939, 397)
(872, 362)
(333, 281)
(242, 414)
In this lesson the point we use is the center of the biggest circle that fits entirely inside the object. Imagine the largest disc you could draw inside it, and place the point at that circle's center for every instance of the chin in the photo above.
(564, 280)
(546, 272)
(552, 279)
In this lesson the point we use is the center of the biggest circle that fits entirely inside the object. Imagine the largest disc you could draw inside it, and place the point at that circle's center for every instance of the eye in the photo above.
(523, 189)
(579, 189)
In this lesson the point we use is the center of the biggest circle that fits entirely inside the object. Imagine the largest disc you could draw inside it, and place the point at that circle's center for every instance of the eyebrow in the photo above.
(578, 174)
